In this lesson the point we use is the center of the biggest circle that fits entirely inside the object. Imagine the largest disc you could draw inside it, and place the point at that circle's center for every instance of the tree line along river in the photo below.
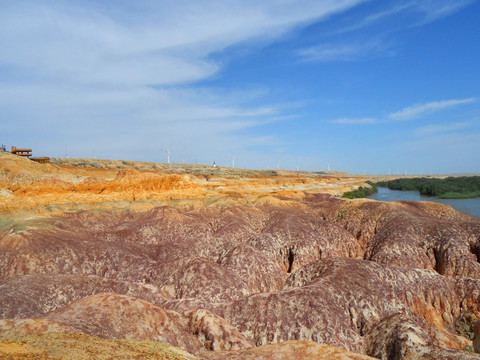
(469, 206)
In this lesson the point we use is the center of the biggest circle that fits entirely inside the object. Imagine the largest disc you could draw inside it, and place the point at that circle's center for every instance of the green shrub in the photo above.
(464, 325)
(362, 191)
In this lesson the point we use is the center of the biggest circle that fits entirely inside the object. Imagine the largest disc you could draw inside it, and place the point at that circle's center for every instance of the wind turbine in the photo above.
(168, 154)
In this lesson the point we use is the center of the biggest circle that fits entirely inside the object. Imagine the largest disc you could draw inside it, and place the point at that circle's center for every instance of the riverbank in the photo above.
(461, 187)
(470, 206)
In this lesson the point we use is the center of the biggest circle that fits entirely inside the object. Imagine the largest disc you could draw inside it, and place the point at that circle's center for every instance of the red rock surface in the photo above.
(113, 316)
(389, 280)
(300, 349)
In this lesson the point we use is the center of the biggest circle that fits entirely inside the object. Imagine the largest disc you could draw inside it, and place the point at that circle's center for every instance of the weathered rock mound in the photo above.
(409, 234)
(31, 296)
(113, 316)
(389, 280)
(300, 349)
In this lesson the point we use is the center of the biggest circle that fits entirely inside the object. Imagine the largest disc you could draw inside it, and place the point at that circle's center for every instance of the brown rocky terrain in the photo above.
(61, 186)
(240, 267)
(295, 349)
(85, 347)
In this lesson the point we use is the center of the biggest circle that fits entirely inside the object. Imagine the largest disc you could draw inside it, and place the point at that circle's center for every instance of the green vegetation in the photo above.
(464, 327)
(362, 191)
(461, 187)
(456, 195)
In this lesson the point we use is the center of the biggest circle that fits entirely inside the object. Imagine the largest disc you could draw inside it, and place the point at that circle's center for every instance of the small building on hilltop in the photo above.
(21, 152)
(28, 153)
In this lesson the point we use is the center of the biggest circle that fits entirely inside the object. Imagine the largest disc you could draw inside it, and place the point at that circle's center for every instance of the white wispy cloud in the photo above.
(429, 10)
(160, 43)
(415, 111)
(100, 74)
(345, 52)
(391, 18)
(355, 121)
(430, 130)
(393, 10)
(437, 9)
(413, 12)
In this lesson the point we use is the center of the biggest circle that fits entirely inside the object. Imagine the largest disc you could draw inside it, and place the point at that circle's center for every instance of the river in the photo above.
(469, 206)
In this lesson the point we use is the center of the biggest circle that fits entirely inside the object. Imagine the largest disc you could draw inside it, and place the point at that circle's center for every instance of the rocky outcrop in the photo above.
(113, 316)
(198, 277)
(439, 300)
(351, 303)
(32, 296)
(214, 333)
(413, 235)
(476, 336)
(299, 349)
(296, 238)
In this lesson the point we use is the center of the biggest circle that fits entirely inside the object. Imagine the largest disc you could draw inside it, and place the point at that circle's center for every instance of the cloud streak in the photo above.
(429, 10)
(415, 111)
(357, 121)
(411, 113)
(435, 9)
(430, 130)
(383, 26)
(344, 52)
(414, 13)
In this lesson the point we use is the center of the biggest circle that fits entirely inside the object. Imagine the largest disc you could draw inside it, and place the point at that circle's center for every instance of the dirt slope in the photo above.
(84, 347)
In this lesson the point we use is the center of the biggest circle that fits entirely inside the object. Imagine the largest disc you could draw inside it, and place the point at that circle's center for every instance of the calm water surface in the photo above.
(469, 206)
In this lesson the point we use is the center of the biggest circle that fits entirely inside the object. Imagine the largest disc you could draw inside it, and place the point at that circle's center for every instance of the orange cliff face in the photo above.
(27, 185)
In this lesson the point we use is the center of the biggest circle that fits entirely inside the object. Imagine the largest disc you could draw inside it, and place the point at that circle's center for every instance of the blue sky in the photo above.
(360, 86)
